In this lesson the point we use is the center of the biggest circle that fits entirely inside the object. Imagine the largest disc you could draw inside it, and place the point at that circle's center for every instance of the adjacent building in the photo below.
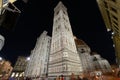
(5, 69)
(9, 14)
(19, 67)
(110, 12)
(38, 63)
(4, 3)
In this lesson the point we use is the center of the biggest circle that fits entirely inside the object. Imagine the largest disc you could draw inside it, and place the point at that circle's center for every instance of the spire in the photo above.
(59, 6)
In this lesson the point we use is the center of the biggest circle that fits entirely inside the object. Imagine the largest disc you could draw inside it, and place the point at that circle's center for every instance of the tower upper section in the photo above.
(62, 33)
(60, 6)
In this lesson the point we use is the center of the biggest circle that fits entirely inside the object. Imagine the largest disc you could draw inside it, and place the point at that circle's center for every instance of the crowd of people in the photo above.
(60, 77)
(72, 77)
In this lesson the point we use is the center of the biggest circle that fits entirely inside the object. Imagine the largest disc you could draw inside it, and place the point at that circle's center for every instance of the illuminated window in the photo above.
(20, 75)
(13, 74)
(16, 74)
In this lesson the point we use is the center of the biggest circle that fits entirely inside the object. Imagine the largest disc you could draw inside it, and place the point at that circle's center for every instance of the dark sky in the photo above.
(37, 16)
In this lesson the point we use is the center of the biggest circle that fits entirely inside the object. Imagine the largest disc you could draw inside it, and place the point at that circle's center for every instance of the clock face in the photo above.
(65, 54)
(82, 51)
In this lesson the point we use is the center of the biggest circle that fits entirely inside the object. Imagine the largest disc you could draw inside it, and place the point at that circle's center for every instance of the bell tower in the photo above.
(64, 59)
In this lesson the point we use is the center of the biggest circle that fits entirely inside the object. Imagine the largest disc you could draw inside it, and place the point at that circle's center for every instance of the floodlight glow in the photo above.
(0, 58)
(113, 45)
(112, 37)
(113, 33)
(28, 58)
(108, 29)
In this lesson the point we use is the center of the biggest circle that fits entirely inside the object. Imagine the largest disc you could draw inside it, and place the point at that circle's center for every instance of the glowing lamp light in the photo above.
(13, 74)
(108, 29)
(113, 71)
(0, 58)
(113, 45)
(113, 33)
(28, 58)
(112, 37)
(17, 74)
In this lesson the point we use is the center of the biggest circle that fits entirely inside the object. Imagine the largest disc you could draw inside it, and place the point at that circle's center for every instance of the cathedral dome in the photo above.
(79, 42)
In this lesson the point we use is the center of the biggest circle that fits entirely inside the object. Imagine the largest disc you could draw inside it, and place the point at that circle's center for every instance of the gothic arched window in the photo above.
(64, 12)
(58, 26)
(57, 12)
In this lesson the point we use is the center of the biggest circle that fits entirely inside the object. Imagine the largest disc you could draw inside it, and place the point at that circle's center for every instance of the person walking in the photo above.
(57, 78)
(72, 76)
(79, 78)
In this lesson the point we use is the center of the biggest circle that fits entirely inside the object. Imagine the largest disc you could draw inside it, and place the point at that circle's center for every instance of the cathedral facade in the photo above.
(84, 54)
(38, 63)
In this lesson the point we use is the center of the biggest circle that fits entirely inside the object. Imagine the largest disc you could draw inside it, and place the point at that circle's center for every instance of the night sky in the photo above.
(37, 16)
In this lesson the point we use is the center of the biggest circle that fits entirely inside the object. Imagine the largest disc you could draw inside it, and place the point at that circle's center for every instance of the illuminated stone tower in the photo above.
(64, 58)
